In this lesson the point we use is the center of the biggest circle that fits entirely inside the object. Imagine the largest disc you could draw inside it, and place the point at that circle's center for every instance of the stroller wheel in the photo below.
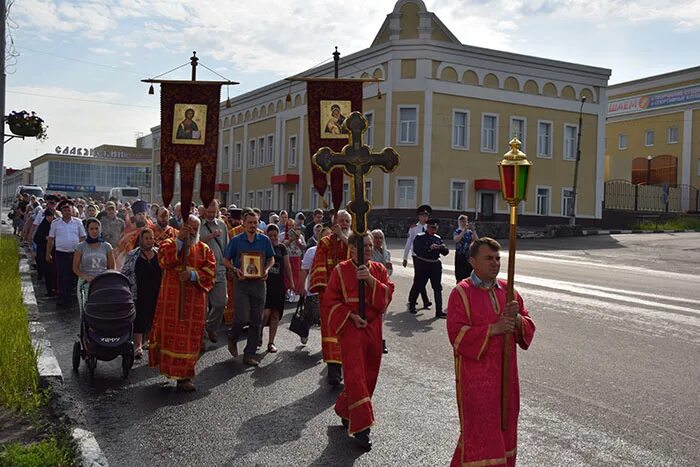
(76, 356)
(127, 362)
(92, 364)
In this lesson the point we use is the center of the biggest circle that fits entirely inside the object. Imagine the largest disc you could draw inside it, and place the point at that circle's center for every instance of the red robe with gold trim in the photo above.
(470, 312)
(161, 234)
(329, 252)
(174, 343)
(361, 348)
(128, 241)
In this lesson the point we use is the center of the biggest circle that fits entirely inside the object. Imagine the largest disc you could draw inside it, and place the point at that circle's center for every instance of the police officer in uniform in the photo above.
(423, 213)
(427, 248)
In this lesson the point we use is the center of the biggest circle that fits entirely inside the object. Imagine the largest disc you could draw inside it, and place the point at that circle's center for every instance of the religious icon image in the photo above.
(189, 123)
(251, 264)
(333, 115)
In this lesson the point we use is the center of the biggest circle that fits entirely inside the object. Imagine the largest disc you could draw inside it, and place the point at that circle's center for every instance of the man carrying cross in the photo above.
(359, 291)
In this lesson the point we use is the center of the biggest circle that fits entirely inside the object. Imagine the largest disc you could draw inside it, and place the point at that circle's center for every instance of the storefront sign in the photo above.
(101, 153)
(75, 188)
(657, 100)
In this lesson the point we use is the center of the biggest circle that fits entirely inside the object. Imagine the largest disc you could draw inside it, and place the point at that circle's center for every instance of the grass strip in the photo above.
(679, 223)
(18, 358)
(43, 453)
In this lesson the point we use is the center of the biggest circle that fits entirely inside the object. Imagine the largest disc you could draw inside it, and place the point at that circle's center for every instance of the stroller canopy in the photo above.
(110, 307)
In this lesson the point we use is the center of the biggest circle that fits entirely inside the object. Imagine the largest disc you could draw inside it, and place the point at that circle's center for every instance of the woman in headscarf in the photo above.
(92, 257)
(463, 236)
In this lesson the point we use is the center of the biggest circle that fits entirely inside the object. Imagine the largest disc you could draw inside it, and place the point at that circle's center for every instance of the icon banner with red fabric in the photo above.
(189, 136)
(329, 102)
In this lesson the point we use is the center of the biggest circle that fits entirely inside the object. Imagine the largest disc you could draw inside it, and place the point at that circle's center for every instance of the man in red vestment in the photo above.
(360, 339)
(331, 250)
(477, 319)
(130, 236)
(175, 340)
(162, 230)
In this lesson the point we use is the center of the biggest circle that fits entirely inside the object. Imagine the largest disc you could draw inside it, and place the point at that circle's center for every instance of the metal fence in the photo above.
(626, 196)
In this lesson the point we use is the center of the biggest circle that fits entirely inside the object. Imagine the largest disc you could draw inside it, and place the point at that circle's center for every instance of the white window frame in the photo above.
(415, 192)
(252, 153)
(564, 208)
(259, 199)
(549, 200)
(271, 149)
(648, 133)
(238, 155)
(268, 199)
(672, 139)
(368, 189)
(548, 154)
(292, 150)
(157, 180)
(399, 123)
(464, 194)
(572, 157)
(484, 148)
(224, 159)
(622, 141)
(346, 194)
(236, 199)
(369, 132)
(467, 115)
(523, 139)
(315, 199)
(261, 152)
(251, 199)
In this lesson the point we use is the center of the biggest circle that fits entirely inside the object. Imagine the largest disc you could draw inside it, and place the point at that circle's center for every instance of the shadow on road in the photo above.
(340, 451)
(287, 364)
(404, 324)
(282, 425)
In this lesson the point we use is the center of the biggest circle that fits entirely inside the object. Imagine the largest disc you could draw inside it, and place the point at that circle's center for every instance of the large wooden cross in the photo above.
(357, 160)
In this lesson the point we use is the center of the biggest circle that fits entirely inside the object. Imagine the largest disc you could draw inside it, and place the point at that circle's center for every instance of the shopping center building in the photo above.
(94, 172)
(448, 109)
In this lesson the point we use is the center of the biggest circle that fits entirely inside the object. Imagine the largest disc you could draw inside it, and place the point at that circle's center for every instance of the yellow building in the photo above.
(650, 128)
(448, 109)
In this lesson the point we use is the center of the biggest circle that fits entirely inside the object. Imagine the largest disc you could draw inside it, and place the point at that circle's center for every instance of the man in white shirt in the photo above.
(65, 234)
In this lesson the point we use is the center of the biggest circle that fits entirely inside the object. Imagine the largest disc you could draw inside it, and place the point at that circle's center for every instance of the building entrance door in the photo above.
(290, 203)
(487, 204)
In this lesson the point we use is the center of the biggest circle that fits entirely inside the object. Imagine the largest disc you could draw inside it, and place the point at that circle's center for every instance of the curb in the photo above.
(627, 231)
(50, 374)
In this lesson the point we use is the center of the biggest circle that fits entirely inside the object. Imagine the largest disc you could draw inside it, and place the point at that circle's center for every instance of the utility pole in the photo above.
(572, 209)
(3, 16)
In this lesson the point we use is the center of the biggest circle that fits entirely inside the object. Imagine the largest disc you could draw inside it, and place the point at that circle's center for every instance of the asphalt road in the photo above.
(612, 377)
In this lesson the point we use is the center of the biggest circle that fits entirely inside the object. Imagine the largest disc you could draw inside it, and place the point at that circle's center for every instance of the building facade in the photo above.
(653, 129)
(448, 109)
(14, 178)
(83, 172)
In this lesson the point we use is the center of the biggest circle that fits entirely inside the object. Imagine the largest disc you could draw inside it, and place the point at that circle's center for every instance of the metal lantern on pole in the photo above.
(514, 172)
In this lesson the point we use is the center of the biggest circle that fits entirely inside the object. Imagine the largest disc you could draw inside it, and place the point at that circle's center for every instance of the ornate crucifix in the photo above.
(357, 160)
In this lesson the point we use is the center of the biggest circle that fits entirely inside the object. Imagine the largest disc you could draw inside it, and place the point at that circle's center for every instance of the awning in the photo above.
(487, 184)
(221, 187)
(284, 178)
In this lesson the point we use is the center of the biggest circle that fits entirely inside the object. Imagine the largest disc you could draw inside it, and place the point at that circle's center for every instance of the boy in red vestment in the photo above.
(477, 319)
(331, 250)
(360, 339)
(174, 342)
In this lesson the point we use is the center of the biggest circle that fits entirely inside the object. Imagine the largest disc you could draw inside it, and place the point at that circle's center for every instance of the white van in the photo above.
(125, 193)
(31, 190)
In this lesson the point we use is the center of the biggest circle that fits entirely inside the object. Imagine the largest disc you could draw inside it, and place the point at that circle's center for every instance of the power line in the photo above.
(82, 100)
(87, 62)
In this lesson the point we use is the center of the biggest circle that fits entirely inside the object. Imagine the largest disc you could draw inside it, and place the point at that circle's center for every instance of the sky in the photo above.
(78, 64)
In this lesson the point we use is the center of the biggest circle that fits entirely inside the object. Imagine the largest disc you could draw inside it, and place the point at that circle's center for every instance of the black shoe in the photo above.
(412, 308)
(334, 374)
(427, 304)
(345, 422)
(440, 315)
(363, 440)
(384, 349)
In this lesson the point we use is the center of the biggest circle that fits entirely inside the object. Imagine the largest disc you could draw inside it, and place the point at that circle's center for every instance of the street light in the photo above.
(514, 171)
(649, 158)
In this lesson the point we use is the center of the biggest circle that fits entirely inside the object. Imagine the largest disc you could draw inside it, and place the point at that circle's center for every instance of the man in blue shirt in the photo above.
(249, 294)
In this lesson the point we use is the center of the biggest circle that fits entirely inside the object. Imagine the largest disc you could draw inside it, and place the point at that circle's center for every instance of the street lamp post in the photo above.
(514, 171)
(649, 158)
(572, 212)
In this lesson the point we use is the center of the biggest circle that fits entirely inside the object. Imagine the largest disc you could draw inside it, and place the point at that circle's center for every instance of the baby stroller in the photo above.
(106, 325)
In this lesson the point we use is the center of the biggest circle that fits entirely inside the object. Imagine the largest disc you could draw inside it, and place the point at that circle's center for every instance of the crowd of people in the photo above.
(192, 274)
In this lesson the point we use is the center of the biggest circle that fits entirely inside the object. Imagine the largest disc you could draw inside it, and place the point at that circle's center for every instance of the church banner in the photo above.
(329, 102)
(189, 136)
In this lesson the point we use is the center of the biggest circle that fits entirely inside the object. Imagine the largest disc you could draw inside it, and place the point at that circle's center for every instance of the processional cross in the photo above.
(357, 160)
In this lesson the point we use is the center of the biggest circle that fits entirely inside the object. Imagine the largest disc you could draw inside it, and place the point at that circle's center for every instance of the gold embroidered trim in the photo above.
(359, 403)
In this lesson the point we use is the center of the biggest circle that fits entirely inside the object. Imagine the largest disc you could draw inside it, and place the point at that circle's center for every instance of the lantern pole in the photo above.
(514, 170)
